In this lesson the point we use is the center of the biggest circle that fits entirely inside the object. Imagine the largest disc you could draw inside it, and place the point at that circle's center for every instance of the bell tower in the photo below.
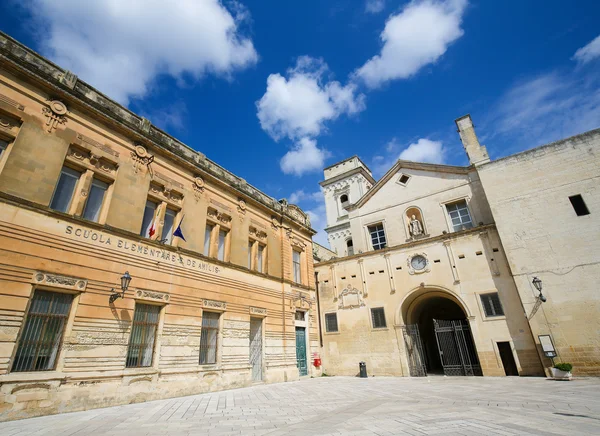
(477, 153)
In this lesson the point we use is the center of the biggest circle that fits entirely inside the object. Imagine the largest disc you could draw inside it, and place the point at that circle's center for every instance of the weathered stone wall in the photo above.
(542, 236)
(49, 124)
(462, 266)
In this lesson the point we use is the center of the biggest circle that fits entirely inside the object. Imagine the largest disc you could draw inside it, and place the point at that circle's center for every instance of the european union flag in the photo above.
(178, 231)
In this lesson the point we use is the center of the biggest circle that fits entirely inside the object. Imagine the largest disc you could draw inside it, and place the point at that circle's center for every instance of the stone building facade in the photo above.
(546, 205)
(88, 191)
(437, 263)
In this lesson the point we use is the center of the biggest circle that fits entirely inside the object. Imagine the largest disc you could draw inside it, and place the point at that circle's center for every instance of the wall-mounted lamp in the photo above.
(125, 279)
(538, 285)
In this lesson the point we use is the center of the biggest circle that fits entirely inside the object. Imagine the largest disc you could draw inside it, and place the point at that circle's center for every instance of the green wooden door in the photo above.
(301, 350)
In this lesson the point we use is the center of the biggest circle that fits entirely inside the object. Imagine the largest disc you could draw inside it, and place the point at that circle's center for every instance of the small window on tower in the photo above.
(344, 200)
(403, 179)
(579, 205)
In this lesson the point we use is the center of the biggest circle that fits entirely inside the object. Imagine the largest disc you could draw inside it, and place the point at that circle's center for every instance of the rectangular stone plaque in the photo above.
(212, 304)
(258, 311)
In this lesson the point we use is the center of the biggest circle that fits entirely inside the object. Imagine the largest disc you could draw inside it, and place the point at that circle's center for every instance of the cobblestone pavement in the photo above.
(350, 406)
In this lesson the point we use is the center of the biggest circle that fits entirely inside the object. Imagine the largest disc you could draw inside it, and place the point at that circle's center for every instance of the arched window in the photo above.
(344, 200)
(350, 247)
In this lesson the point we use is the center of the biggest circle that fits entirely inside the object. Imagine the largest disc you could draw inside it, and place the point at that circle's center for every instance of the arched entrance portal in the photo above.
(438, 337)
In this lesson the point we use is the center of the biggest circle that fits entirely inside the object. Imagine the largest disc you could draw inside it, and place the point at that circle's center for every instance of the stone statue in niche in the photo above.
(415, 227)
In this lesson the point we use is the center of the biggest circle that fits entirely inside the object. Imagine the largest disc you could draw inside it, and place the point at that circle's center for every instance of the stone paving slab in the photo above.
(378, 406)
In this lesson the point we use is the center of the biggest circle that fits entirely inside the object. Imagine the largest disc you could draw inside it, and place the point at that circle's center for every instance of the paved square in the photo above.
(350, 406)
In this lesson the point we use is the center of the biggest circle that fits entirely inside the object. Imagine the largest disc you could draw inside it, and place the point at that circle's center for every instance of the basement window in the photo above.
(579, 205)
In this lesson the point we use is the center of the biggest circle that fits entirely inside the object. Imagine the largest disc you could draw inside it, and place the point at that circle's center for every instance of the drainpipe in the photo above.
(318, 308)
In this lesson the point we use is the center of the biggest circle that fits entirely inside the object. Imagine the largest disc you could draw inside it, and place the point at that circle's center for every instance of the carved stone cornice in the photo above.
(217, 216)
(256, 233)
(212, 304)
(166, 193)
(59, 281)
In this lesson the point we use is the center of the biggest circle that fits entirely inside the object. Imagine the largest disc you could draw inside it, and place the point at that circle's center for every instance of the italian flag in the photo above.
(154, 223)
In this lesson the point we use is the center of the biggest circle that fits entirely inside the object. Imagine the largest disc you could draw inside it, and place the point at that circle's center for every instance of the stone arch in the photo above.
(418, 213)
(416, 295)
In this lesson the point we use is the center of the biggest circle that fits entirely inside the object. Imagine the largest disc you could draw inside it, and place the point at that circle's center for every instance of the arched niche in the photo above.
(349, 247)
(408, 218)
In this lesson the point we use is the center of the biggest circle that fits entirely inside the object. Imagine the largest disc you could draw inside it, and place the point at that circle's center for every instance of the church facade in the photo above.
(132, 267)
(434, 271)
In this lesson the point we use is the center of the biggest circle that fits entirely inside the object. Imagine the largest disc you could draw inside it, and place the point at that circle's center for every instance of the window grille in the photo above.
(143, 335)
(491, 304)
(378, 318)
(149, 212)
(297, 270)
(377, 236)
(93, 205)
(460, 216)
(208, 338)
(63, 193)
(331, 324)
(42, 333)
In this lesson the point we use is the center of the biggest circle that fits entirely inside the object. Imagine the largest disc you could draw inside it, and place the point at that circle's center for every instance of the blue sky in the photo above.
(276, 90)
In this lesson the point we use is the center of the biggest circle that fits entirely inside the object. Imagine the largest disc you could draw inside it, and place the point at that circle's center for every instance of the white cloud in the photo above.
(424, 150)
(374, 6)
(588, 52)
(298, 106)
(303, 158)
(301, 196)
(546, 108)
(413, 38)
(120, 47)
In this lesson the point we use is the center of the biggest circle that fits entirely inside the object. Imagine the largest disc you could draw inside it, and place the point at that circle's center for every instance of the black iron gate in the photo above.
(414, 350)
(456, 347)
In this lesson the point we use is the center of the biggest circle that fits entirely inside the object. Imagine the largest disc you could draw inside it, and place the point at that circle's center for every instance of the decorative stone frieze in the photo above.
(59, 281)
(256, 233)
(351, 298)
(166, 193)
(68, 79)
(143, 294)
(91, 160)
(258, 311)
(219, 217)
(212, 304)
(198, 187)
(168, 179)
(55, 114)
(141, 158)
(84, 140)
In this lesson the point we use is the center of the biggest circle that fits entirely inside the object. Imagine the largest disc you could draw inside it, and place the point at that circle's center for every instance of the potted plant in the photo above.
(562, 371)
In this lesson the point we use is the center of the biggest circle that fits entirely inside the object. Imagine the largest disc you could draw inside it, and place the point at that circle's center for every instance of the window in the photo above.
(250, 245)
(377, 236)
(300, 315)
(42, 333)
(3, 146)
(378, 318)
(331, 324)
(143, 335)
(259, 260)
(344, 200)
(167, 231)
(207, 236)
(93, 204)
(149, 212)
(350, 246)
(296, 264)
(459, 214)
(208, 338)
(491, 304)
(579, 205)
(63, 194)
(403, 179)
(222, 239)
